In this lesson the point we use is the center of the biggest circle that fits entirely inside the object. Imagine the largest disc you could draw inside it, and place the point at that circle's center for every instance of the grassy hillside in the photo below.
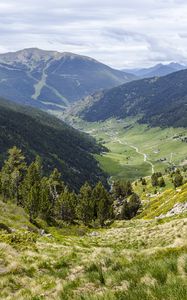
(161, 101)
(137, 259)
(59, 145)
(161, 202)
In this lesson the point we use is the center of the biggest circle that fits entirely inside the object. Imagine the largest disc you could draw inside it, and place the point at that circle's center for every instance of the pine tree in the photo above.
(45, 203)
(103, 209)
(33, 202)
(162, 182)
(12, 174)
(68, 203)
(154, 180)
(144, 181)
(31, 188)
(85, 208)
(178, 180)
(56, 187)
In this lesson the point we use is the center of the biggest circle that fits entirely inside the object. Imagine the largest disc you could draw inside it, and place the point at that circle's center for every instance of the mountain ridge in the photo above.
(51, 80)
(159, 101)
(157, 70)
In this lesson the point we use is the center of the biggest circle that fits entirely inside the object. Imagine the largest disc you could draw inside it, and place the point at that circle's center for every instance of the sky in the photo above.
(120, 33)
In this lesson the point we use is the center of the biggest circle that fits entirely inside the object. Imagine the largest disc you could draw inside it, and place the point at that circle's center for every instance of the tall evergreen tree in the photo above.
(12, 174)
(178, 179)
(154, 180)
(45, 203)
(102, 203)
(31, 189)
(85, 208)
(56, 187)
(68, 203)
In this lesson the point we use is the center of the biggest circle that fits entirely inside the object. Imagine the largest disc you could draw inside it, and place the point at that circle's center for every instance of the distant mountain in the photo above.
(53, 80)
(59, 145)
(159, 101)
(158, 70)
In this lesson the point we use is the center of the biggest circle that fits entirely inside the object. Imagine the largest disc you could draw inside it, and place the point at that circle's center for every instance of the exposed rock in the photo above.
(177, 209)
(94, 233)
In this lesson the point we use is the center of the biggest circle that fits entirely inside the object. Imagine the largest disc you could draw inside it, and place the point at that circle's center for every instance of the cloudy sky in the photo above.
(120, 33)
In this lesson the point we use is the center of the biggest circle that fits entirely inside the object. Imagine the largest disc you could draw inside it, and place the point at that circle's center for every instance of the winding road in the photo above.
(141, 153)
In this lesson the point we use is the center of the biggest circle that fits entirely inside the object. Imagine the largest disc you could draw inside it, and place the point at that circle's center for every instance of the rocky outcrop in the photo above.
(177, 209)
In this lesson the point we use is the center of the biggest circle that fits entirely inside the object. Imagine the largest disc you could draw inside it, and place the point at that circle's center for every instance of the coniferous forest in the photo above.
(48, 198)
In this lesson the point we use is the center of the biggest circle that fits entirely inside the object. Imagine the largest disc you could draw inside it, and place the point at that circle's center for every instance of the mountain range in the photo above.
(157, 70)
(52, 80)
(59, 145)
(158, 101)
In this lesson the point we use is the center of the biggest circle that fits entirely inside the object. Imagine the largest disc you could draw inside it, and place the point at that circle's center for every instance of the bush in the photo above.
(178, 180)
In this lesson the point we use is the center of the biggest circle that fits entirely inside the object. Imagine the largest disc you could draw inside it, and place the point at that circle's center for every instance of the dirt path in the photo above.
(139, 152)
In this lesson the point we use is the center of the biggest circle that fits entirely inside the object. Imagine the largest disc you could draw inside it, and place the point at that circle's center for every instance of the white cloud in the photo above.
(120, 33)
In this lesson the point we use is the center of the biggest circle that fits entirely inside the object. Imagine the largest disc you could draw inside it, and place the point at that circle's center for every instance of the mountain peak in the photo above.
(160, 69)
(35, 54)
(52, 79)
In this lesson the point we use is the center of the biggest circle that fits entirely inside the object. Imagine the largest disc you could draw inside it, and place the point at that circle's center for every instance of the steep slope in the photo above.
(157, 70)
(58, 144)
(169, 203)
(160, 101)
(53, 80)
(137, 259)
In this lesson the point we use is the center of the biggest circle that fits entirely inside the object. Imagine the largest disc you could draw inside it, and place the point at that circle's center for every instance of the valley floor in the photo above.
(136, 150)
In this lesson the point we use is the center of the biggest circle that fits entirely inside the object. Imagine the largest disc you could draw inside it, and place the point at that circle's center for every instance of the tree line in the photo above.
(49, 198)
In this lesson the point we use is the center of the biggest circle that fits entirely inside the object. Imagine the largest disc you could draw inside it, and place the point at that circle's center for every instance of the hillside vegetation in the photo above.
(59, 145)
(137, 259)
(159, 101)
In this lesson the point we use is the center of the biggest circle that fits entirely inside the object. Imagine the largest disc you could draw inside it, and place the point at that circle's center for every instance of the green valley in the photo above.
(136, 150)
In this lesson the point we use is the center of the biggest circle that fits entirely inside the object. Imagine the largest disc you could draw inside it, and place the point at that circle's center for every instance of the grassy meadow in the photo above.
(163, 147)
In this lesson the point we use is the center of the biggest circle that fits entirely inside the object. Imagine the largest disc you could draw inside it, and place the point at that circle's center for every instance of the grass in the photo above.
(122, 161)
(137, 259)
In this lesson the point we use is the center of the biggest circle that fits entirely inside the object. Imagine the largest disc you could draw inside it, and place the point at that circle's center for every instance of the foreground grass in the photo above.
(145, 258)
(139, 259)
